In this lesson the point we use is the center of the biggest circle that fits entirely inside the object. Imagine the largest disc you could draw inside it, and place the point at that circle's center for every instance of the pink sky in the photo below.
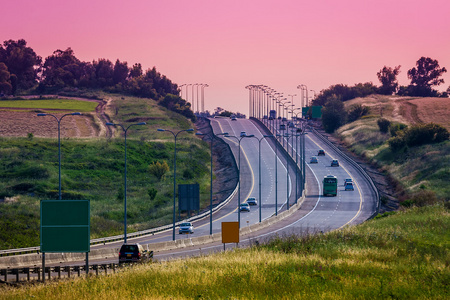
(231, 44)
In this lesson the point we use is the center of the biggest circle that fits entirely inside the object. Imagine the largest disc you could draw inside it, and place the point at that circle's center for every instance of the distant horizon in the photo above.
(277, 43)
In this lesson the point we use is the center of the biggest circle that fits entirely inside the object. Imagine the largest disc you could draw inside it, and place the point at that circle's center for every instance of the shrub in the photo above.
(158, 169)
(426, 134)
(120, 194)
(188, 174)
(357, 111)
(423, 198)
(152, 193)
(383, 124)
(394, 128)
(397, 143)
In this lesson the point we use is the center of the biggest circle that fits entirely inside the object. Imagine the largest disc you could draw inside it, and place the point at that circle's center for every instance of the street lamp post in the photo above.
(239, 170)
(212, 136)
(125, 130)
(203, 96)
(175, 171)
(59, 142)
(259, 172)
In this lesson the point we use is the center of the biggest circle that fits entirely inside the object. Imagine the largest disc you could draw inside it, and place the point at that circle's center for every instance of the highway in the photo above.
(316, 213)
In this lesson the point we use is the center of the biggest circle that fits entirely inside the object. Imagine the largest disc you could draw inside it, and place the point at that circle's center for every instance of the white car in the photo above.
(186, 227)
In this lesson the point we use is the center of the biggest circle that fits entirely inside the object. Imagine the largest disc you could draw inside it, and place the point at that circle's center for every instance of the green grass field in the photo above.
(49, 104)
(94, 168)
(401, 256)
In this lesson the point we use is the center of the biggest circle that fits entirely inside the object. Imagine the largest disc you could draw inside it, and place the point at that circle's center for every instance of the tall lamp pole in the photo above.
(211, 136)
(259, 168)
(175, 171)
(239, 170)
(59, 142)
(125, 130)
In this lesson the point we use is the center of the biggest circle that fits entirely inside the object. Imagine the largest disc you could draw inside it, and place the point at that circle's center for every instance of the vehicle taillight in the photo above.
(139, 254)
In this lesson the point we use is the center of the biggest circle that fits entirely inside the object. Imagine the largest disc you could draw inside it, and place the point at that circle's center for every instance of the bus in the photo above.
(330, 183)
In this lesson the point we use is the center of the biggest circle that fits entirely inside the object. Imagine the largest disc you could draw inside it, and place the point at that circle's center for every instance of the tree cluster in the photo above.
(424, 76)
(21, 69)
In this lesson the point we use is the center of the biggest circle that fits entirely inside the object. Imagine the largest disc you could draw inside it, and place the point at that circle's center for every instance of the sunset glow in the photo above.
(230, 44)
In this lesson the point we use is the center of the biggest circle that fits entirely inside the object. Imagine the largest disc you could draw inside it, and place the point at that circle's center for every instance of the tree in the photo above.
(388, 79)
(425, 76)
(61, 69)
(136, 71)
(5, 81)
(104, 71)
(120, 72)
(21, 61)
(333, 115)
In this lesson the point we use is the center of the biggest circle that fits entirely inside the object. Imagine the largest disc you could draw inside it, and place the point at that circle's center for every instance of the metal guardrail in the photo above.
(55, 272)
(354, 164)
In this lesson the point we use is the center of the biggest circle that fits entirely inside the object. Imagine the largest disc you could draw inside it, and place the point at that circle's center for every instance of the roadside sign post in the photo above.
(230, 233)
(65, 227)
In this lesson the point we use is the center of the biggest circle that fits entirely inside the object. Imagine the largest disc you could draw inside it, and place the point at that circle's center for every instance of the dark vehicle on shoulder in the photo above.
(130, 253)
(321, 152)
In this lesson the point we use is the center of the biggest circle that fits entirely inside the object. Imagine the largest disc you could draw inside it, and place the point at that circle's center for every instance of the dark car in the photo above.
(252, 201)
(349, 186)
(313, 160)
(321, 152)
(133, 253)
(335, 163)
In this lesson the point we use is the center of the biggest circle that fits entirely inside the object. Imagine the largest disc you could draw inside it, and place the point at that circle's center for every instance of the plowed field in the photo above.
(20, 121)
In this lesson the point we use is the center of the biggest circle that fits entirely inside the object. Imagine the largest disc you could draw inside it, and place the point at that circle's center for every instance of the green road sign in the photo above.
(65, 226)
(305, 111)
(316, 112)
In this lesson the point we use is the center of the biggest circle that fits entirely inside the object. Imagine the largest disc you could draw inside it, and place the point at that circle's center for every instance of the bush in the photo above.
(188, 174)
(158, 169)
(357, 111)
(423, 198)
(426, 134)
(383, 124)
(152, 193)
(397, 143)
(394, 128)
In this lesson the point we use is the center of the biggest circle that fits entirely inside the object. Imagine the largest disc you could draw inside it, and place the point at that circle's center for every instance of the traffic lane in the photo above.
(251, 145)
(362, 186)
(345, 170)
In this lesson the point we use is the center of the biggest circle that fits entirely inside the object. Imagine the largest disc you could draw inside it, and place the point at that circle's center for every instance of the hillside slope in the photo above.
(416, 169)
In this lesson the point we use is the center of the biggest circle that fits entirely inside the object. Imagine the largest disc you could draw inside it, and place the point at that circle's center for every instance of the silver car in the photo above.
(186, 227)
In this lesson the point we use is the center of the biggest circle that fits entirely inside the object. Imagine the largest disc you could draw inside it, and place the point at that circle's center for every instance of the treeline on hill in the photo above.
(21, 69)
(423, 78)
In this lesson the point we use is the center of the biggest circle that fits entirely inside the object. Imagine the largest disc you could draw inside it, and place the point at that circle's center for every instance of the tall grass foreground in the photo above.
(403, 256)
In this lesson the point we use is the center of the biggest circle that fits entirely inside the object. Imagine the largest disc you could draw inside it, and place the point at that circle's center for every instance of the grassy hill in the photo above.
(421, 171)
(93, 167)
(401, 256)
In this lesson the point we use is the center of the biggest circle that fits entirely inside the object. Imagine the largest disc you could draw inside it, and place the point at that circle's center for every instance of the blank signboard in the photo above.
(65, 226)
